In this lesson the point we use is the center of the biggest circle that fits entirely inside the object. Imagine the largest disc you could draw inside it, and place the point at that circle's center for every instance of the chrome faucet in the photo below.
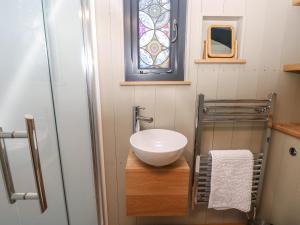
(137, 117)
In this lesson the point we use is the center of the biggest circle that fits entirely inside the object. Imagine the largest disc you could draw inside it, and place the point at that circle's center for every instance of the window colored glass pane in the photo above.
(154, 34)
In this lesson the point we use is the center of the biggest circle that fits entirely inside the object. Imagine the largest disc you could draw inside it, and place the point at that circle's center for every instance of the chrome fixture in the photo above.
(30, 134)
(230, 111)
(204, 176)
(137, 117)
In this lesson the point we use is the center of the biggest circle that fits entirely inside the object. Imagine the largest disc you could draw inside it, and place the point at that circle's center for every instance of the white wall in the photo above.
(269, 40)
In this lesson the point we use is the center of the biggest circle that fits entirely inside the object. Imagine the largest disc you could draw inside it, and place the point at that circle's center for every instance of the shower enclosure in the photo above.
(48, 132)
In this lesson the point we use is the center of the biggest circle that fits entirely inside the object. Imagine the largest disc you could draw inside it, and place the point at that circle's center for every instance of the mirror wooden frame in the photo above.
(209, 42)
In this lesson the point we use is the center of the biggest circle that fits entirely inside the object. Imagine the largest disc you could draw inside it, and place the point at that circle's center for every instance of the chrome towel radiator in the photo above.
(223, 111)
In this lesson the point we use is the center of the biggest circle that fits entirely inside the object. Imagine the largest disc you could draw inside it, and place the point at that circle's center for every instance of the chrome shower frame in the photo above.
(93, 86)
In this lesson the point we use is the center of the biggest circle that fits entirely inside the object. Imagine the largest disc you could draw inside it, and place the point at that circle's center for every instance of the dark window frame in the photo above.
(177, 49)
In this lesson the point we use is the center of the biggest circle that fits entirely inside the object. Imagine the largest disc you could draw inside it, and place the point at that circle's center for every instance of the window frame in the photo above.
(177, 49)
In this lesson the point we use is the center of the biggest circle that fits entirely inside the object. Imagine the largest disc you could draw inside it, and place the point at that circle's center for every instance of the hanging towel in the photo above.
(231, 179)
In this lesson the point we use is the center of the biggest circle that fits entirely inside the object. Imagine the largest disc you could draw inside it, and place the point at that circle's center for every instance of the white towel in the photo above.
(231, 179)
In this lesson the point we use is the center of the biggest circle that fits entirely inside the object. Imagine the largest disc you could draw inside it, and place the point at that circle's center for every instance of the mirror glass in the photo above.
(221, 41)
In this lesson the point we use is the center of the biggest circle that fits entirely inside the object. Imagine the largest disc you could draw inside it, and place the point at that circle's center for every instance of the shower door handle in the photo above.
(36, 162)
(32, 140)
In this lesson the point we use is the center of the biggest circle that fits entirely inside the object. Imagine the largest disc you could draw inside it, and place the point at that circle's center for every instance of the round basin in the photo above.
(158, 147)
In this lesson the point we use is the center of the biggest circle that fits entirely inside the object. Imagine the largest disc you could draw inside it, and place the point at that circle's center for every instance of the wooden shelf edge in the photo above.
(296, 3)
(220, 61)
(292, 129)
(153, 83)
(293, 68)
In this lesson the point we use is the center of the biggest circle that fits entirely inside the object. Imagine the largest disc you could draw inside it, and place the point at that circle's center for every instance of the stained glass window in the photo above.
(154, 37)
(154, 34)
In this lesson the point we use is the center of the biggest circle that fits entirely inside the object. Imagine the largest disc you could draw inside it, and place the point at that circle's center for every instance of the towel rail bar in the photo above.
(230, 120)
(255, 107)
(243, 101)
(236, 114)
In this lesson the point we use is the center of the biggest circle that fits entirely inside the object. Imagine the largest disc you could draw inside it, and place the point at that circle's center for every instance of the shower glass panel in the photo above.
(68, 62)
(25, 88)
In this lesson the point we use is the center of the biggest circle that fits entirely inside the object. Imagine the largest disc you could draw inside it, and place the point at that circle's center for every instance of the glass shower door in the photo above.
(30, 161)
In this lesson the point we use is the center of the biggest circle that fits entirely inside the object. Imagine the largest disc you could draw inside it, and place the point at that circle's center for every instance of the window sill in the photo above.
(153, 83)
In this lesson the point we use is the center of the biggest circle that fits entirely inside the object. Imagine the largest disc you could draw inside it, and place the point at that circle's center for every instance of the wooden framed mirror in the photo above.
(221, 41)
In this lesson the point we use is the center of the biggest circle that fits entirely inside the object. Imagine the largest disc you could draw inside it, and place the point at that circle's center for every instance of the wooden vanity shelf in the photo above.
(156, 191)
(220, 61)
(296, 2)
(293, 68)
(292, 129)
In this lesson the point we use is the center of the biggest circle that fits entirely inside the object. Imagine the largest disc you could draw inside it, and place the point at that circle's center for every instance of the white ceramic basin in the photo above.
(158, 147)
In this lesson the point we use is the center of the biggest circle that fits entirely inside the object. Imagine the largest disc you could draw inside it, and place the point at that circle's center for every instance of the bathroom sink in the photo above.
(158, 147)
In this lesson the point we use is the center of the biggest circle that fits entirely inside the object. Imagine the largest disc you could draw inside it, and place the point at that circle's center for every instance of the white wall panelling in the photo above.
(266, 29)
